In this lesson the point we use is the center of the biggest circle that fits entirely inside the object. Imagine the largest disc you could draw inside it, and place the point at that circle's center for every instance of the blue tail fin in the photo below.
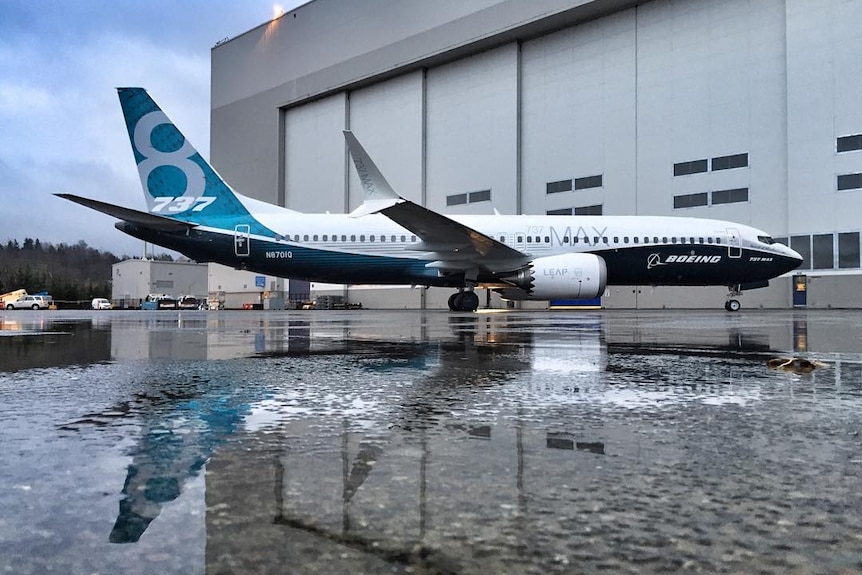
(176, 180)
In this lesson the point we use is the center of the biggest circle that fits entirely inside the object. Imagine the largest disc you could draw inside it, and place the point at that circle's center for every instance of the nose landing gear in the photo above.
(732, 304)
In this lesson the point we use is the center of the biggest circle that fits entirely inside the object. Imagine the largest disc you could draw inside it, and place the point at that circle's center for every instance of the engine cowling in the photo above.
(564, 276)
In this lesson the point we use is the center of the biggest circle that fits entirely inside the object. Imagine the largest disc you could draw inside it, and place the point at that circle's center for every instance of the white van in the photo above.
(101, 303)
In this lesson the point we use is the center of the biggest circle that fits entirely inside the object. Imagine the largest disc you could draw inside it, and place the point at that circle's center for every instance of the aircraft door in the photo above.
(734, 243)
(241, 244)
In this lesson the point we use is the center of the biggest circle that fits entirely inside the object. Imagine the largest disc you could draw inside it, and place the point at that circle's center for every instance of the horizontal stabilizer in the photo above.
(129, 215)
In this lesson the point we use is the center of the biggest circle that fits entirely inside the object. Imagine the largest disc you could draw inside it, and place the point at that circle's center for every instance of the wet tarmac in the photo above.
(409, 442)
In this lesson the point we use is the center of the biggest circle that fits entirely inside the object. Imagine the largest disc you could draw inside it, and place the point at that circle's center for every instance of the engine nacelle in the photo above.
(564, 276)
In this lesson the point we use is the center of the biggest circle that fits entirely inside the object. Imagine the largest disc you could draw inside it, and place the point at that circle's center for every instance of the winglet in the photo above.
(379, 195)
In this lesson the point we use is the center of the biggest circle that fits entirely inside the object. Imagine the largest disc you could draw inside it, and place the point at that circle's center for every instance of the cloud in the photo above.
(62, 127)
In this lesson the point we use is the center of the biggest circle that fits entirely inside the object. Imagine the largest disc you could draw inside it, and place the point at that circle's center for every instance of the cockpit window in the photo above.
(766, 240)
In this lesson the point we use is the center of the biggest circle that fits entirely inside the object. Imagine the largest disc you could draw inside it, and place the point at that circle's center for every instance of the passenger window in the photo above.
(404, 239)
(616, 239)
(305, 238)
(362, 237)
(565, 239)
(700, 240)
(520, 239)
(529, 239)
(547, 239)
(352, 238)
(636, 239)
(605, 240)
(371, 238)
(595, 240)
(646, 240)
(625, 239)
(315, 237)
(576, 239)
(709, 240)
(412, 238)
(673, 240)
(692, 240)
(655, 240)
(343, 238)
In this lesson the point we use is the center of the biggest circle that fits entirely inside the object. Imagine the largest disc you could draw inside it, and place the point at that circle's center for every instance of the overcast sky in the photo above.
(61, 127)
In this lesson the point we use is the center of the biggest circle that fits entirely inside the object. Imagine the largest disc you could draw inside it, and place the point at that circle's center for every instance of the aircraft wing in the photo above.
(129, 215)
(455, 246)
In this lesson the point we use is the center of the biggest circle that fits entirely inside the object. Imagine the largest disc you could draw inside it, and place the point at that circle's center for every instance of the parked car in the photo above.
(101, 303)
(30, 302)
(188, 302)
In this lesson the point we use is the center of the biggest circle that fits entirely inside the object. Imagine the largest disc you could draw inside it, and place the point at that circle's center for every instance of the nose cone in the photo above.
(790, 258)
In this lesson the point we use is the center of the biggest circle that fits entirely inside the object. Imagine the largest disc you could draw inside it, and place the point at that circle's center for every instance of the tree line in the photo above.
(67, 272)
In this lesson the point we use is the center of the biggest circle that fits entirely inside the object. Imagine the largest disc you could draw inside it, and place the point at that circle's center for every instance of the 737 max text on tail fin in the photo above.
(391, 240)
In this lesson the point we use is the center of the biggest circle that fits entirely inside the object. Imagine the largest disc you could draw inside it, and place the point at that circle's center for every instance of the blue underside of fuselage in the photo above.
(687, 265)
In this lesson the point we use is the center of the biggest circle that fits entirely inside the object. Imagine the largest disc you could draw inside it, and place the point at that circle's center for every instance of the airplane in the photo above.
(391, 240)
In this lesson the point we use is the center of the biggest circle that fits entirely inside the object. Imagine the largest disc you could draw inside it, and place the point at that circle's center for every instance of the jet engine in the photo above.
(564, 276)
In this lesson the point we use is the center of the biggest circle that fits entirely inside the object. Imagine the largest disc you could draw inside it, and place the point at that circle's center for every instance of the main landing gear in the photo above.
(732, 304)
(464, 301)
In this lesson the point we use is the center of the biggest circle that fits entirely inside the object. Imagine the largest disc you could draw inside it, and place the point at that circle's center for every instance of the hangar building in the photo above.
(743, 110)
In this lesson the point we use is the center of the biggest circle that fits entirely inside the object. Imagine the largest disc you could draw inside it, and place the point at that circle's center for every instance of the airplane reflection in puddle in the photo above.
(186, 412)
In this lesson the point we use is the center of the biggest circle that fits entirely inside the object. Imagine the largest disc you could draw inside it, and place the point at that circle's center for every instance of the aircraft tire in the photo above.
(464, 301)
(469, 301)
(732, 305)
(453, 300)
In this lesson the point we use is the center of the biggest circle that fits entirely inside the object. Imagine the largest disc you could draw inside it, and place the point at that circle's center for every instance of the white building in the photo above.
(744, 110)
(133, 280)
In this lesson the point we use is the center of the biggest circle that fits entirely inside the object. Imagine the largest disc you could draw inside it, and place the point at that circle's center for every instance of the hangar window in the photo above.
(692, 167)
(849, 182)
(557, 187)
(689, 200)
(823, 257)
(480, 196)
(849, 143)
(848, 250)
(802, 245)
(588, 182)
(729, 162)
(456, 199)
(560, 212)
(589, 210)
(729, 196)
